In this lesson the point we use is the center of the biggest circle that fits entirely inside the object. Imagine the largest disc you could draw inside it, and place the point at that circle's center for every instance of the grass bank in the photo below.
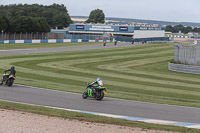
(90, 118)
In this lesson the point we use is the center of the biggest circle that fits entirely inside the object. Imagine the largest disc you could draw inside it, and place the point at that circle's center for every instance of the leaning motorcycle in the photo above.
(8, 79)
(94, 92)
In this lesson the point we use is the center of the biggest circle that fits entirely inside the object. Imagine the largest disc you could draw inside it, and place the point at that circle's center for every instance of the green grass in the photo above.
(91, 118)
(44, 45)
(134, 73)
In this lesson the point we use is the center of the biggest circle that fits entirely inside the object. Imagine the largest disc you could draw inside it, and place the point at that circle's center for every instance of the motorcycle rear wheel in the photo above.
(100, 96)
(10, 82)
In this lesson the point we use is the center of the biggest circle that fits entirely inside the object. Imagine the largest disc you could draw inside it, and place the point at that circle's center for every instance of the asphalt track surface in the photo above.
(61, 49)
(45, 97)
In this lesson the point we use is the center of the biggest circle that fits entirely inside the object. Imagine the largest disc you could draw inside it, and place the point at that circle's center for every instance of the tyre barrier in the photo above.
(184, 68)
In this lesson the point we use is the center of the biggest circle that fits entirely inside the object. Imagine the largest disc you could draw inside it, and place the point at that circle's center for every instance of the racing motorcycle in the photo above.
(94, 92)
(104, 44)
(115, 43)
(8, 79)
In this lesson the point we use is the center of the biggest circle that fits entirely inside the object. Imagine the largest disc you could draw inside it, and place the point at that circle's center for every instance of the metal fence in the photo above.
(188, 54)
(31, 36)
(87, 36)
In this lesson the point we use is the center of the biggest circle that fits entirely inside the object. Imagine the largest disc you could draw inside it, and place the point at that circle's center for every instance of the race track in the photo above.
(45, 97)
(61, 49)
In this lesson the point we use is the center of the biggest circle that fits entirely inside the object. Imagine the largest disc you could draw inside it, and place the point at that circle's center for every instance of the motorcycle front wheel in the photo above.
(84, 96)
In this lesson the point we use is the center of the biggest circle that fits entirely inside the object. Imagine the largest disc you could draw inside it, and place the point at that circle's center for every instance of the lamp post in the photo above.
(2, 38)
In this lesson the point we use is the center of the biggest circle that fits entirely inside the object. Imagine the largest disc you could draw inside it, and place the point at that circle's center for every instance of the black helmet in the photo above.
(12, 67)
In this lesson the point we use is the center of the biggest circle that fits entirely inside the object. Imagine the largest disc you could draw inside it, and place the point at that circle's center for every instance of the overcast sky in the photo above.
(165, 10)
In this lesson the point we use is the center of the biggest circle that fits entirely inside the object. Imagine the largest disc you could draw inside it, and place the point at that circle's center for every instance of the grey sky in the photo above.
(166, 10)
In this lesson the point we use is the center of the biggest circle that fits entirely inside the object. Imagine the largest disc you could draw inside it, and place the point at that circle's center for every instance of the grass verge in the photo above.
(90, 118)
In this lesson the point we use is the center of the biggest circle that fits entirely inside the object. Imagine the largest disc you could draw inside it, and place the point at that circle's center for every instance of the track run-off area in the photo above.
(131, 72)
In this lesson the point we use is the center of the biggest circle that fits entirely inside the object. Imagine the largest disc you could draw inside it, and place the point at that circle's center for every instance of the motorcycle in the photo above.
(104, 44)
(94, 92)
(8, 79)
(115, 43)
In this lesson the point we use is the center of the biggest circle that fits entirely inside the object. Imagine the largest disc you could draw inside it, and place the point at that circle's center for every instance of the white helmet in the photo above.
(98, 79)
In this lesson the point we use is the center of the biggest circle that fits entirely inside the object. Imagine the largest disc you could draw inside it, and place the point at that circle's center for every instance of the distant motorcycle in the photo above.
(115, 43)
(94, 92)
(8, 79)
(104, 44)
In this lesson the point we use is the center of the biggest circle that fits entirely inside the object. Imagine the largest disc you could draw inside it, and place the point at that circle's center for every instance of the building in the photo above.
(117, 30)
(102, 31)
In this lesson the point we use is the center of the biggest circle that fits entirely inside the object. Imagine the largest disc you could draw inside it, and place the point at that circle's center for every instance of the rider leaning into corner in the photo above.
(12, 72)
(98, 82)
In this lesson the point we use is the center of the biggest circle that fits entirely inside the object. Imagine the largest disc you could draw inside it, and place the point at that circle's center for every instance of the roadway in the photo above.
(59, 99)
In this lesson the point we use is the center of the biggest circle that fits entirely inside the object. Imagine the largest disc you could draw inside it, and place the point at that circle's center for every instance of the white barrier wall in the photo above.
(184, 68)
(149, 33)
(187, 54)
(51, 41)
(19, 41)
(35, 41)
(67, 40)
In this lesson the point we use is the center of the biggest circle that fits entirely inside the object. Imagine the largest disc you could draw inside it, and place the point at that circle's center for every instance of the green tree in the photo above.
(169, 28)
(188, 29)
(178, 28)
(181, 28)
(4, 24)
(55, 15)
(96, 16)
(196, 29)
(30, 25)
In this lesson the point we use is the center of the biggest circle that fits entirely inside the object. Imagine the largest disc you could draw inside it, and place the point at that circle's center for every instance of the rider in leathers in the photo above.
(12, 72)
(99, 84)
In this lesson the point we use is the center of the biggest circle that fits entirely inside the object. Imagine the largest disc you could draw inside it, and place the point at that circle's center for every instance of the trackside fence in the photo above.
(31, 36)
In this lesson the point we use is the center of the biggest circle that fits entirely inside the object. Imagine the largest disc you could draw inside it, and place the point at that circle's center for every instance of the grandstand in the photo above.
(98, 31)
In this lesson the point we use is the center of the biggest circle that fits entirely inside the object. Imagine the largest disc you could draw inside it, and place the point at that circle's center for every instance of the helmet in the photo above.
(12, 67)
(98, 79)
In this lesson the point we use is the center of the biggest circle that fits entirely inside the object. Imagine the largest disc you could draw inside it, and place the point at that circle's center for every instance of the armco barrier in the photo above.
(195, 37)
(27, 41)
(46, 41)
(184, 68)
(59, 40)
(52, 41)
(11, 41)
(66, 40)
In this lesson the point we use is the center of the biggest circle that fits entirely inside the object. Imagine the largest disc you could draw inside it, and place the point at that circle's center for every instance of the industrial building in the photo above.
(120, 32)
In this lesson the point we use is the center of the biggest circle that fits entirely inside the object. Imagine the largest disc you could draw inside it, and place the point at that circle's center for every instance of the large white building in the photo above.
(123, 30)
(120, 32)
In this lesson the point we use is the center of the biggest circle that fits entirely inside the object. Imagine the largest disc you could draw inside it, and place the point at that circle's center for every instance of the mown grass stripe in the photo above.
(136, 73)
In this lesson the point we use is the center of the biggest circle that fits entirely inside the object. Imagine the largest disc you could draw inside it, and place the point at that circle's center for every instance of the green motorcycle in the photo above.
(8, 79)
(94, 92)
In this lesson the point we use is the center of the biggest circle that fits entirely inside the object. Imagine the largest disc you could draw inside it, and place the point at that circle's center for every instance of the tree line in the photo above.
(177, 28)
(33, 18)
(19, 18)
